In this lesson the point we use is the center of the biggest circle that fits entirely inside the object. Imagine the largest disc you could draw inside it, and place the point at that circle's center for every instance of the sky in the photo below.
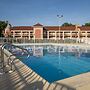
(30, 12)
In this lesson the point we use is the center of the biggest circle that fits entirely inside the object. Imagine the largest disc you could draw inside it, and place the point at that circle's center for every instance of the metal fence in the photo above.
(15, 40)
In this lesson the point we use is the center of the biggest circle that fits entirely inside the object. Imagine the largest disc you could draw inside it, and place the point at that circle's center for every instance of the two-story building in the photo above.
(39, 31)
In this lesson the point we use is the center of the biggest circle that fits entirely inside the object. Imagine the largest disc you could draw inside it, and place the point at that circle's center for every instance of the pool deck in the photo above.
(23, 78)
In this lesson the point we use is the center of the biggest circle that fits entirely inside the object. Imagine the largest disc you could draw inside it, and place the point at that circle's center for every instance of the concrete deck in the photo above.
(23, 78)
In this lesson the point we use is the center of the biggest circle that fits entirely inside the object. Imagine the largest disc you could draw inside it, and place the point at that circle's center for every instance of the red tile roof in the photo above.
(61, 28)
(85, 28)
(68, 28)
(22, 28)
(50, 27)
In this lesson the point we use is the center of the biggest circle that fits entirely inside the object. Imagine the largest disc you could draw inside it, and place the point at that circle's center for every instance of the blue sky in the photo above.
(30, 12)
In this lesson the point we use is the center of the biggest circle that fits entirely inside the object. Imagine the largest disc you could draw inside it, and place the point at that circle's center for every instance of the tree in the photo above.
(3, 25)
(87, 24)
(67, 24)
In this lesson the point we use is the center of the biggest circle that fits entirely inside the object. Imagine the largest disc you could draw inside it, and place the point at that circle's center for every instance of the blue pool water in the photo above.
(56, 63)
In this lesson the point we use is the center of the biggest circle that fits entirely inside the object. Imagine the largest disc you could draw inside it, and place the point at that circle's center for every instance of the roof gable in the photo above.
(38, 24)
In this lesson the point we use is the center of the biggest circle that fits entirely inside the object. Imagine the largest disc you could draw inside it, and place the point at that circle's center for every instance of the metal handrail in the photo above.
(16, 47)
(2, 47)
(12, 62)
(2, 56)
(9, 58)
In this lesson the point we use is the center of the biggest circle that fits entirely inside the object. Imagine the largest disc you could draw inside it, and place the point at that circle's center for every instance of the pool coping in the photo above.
(78, 82)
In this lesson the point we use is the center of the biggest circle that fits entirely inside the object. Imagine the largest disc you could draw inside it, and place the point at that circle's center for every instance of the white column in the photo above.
(34, 35)
(13, 34)
(55, 35)
(21, 34)
(78, 35)
(86, 37)
(29, 35)
(85, 34)
(42, 34)
(63, 35)
(47, 34)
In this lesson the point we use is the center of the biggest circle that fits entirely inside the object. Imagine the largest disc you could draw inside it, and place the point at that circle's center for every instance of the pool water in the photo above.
(56, 62)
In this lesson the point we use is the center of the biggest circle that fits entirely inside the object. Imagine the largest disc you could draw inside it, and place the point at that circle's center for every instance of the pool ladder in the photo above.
(10, 60)
(2, 58)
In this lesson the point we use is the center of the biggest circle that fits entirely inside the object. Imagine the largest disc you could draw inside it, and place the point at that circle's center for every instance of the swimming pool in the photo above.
(57, 62)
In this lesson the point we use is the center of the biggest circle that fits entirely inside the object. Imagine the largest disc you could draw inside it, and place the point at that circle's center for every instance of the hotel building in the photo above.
(39, 31)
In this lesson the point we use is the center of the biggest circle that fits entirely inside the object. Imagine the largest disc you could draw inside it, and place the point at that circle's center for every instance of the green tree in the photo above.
(87, 24)
(3, 25)
(67, 24)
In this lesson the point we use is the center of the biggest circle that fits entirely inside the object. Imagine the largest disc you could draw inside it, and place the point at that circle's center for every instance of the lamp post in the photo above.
(59, 17)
